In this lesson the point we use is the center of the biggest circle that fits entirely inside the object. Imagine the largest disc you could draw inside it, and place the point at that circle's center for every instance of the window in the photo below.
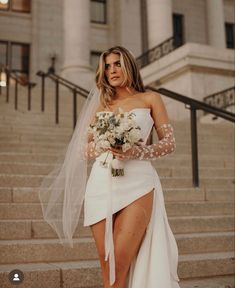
(3, 53)
(99, 11)
(16, 5)
(230, 35)
(20, 58)
(16, 56)
(4, 4)
(94, 59)
(178, 29)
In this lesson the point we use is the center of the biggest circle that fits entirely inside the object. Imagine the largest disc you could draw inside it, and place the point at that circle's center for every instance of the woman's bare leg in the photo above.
(98, 231)
(129, 230)
(130, 225)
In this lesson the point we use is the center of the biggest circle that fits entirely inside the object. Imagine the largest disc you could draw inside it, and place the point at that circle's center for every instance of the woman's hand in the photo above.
(120, 155)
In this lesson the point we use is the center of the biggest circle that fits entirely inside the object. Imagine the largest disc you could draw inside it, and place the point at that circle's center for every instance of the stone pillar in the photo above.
(76, 67)
(215, 20)
(159, 13)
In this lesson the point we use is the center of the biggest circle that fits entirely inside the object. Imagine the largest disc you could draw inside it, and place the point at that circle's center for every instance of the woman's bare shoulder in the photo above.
(100, 108)
(151, 98)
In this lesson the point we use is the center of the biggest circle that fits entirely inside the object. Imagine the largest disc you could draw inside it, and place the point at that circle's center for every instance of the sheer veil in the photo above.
(62, 192)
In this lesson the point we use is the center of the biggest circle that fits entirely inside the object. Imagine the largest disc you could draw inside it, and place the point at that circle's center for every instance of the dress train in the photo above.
(155, 265)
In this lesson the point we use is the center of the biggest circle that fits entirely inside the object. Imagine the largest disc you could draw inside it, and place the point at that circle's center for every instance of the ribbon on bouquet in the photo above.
(109, 245)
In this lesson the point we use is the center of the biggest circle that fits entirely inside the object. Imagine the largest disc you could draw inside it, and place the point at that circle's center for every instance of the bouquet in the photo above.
(115, 130)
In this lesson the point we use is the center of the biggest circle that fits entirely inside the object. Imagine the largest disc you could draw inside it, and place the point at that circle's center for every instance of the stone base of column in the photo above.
(82, 76)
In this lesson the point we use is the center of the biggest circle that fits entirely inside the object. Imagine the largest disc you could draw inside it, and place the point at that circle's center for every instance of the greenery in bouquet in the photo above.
(118, 130)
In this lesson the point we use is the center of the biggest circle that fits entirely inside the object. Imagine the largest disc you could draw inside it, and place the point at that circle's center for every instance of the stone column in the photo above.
(159, 13)
(215, 22)
(76, 67)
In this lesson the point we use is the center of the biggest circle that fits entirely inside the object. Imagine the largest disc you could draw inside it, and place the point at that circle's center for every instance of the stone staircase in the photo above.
(202, 219)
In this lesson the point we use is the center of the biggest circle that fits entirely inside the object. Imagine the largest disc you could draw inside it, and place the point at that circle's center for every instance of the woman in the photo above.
(126, 214)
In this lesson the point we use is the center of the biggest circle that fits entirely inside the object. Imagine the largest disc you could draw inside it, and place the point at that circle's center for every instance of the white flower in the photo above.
(117, 164)
(134, 135)
(105, 144)
(115, 128)
(126, 147)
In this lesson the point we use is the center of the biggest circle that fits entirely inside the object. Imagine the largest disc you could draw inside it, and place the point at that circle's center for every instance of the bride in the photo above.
(126, 214)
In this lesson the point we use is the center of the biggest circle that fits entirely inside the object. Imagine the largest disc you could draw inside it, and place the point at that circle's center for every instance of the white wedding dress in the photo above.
(155, 265)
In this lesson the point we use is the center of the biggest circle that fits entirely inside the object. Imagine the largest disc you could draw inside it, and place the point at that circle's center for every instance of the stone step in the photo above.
(47, 125)
(198, 194)
(42, 129)
(44, 169)
(8, 180)
(225, 182)
(199, 224)
(30, 195)
(57, 146)
(27, 148)
(212, 282)
(179, 208)
(50, 250)
(34, 229)
(206, 265)
(8, 114)
(58, 140)
(37, 133)
(25, 125)
(65, 101)
(66, 274)
(207, 161)
(13, 138)
(203, 172)
(28, 157)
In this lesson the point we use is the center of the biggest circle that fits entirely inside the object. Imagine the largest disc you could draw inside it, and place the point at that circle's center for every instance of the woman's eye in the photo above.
(106, 67)
(119, 64)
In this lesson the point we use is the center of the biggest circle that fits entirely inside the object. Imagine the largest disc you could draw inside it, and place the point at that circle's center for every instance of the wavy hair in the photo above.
(132, 77)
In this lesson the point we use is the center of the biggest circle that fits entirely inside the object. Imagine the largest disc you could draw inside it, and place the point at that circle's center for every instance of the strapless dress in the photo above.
(156, 263)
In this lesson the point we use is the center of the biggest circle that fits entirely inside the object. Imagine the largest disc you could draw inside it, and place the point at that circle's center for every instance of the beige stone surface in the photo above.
(214, 282)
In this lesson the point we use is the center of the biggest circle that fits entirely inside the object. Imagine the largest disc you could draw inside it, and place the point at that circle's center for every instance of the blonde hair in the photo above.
(132, 77)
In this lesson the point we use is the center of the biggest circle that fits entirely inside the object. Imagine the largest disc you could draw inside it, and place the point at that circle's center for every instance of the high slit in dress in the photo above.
(155, 265)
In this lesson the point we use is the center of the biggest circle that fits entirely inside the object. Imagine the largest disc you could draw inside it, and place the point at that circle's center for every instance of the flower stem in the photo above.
(106, 158)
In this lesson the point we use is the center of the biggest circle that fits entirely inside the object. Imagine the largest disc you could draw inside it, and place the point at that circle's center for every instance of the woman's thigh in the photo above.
(130, 226)
(98, 232)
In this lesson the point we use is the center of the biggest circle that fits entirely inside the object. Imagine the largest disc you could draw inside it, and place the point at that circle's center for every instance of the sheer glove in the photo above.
(165, 145)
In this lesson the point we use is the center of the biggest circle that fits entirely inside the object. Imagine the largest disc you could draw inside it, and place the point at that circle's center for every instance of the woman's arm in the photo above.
(164, 129)
(90, 151)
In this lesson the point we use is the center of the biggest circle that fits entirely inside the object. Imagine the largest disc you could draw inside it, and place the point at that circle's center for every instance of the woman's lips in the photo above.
(114, 78)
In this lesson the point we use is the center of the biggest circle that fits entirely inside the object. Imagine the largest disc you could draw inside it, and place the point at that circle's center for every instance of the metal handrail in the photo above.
(195, 105)
(11, 74)
(198, 105)
(58, 80)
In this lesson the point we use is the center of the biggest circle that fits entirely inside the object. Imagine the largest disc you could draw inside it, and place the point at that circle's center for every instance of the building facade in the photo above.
(188, 44)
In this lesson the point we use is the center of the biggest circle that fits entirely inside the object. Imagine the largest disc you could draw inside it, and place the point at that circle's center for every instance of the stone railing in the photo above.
(157, 52)
(222, 99)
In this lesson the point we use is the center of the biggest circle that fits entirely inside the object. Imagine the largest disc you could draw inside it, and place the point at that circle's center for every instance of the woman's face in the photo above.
(113, 70)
